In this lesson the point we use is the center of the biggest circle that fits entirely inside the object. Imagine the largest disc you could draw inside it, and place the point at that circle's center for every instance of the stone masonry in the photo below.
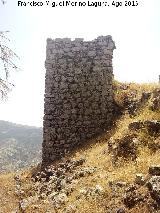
(78, 93)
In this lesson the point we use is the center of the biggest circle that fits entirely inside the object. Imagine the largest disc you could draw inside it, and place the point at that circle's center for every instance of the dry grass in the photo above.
(96, 155)
(126, 171)
(8, 201)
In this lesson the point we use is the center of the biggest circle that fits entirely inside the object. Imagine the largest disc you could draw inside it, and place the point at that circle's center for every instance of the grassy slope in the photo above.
(96, 155)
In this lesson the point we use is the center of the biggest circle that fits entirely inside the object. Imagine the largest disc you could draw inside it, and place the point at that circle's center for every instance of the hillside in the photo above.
(20, 146)
(117, 172)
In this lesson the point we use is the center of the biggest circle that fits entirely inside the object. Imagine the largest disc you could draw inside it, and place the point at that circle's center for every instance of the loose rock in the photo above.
(154, 170)
(154, 188)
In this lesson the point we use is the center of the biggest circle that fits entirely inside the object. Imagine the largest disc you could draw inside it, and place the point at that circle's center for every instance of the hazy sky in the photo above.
(135, 30)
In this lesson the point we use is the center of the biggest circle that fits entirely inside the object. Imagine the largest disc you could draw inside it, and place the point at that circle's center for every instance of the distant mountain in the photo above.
(20, 146)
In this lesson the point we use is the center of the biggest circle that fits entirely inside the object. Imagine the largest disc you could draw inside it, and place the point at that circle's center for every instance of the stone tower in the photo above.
(78, 93)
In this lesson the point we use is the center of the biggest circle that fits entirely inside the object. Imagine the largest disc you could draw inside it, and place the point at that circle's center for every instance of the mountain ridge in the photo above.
(20, 146)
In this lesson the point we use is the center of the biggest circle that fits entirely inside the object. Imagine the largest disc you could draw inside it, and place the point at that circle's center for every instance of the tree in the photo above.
(3, 2)
(7, 57)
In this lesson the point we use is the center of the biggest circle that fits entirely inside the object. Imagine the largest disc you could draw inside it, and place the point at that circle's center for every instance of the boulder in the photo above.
(136, 125)
(154, 170)
(145, 96)
(154, 188)
(120, 210)
(153, 127)
(139, 179)
(132, 198)
(127, 147)
(156, 93)
(155, 104)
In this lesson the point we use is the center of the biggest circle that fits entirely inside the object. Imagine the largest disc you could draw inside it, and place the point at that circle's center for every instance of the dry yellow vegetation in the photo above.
(8, 201)
(96, 155)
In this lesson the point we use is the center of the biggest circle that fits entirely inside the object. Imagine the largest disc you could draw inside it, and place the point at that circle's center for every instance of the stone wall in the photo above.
(78, 93)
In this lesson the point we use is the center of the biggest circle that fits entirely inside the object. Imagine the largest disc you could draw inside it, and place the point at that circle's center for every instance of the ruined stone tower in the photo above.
(78, 93)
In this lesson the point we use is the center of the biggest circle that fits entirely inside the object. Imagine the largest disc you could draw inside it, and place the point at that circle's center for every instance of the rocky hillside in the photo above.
(20, 146)
(117, 172)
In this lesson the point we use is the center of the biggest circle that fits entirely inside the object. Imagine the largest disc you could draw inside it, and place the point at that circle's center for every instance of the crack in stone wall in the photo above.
(78, 93)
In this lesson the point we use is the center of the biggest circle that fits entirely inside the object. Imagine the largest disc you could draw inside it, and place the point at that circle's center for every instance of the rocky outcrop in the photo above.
(125, 147)
(152, 126)
(133, 103)
(154, 170)
(155, 103)
(154, 188)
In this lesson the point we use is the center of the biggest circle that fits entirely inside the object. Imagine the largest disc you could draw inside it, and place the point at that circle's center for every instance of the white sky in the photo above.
(135, 30)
